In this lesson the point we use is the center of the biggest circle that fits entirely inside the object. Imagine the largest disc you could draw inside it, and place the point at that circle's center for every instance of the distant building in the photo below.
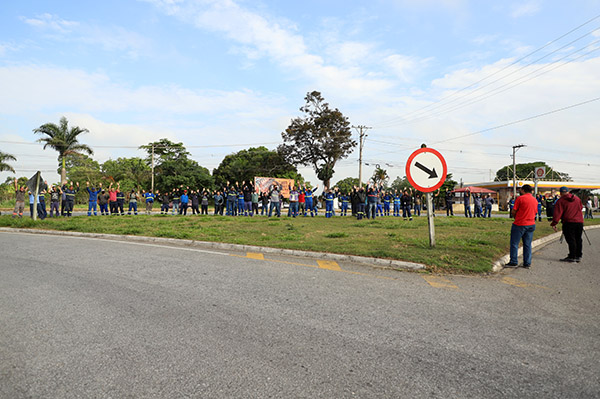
(546, 187)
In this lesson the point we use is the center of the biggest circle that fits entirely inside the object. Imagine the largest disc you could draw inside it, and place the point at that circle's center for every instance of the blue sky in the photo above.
(226, 73)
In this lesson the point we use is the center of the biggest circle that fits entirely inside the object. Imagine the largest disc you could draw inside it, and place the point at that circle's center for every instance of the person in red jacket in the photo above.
(568, 209)
(523, 227)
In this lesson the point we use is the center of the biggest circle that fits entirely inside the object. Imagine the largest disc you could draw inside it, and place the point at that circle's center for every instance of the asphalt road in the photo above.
(108, 319)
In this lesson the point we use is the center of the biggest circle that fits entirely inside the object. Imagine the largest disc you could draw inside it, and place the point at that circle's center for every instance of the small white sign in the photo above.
(540, 172)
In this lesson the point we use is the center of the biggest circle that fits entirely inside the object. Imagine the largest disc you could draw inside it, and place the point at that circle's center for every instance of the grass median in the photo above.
(462, 245)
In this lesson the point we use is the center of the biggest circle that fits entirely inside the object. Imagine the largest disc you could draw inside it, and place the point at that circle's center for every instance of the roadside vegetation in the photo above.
(462, 245)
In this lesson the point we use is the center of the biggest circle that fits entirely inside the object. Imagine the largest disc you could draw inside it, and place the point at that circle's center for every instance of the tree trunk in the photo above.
(63, 173)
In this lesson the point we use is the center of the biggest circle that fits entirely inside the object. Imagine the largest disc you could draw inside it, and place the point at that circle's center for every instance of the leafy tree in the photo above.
(130, 172)
(400, 184)
(244, 165)
(319, 139)
(173, 168)
(526, 170)
(63, 140)
(347, 185)
(4, 166)
(81, 168)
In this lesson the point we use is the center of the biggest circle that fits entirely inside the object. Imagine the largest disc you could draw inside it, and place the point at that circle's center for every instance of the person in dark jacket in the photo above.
(361, 197)
(568, 210)
(70, 192)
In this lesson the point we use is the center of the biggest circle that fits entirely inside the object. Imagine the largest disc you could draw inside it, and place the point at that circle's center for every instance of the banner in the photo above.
(263, 184)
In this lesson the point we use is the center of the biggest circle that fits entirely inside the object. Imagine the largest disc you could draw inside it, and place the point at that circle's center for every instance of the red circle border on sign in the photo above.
(409, 177)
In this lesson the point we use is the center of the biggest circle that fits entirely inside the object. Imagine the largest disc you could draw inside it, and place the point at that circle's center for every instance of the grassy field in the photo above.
(463, 245)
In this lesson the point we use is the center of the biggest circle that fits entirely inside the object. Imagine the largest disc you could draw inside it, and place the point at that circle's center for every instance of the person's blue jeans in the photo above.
(371, 210)
(277, 206)
(487, 213)
(230, 207)
(308, 207)
(468, 211)
(175, 210)
(518, 233)
(417, 210)
(132, 206)
(294, 208)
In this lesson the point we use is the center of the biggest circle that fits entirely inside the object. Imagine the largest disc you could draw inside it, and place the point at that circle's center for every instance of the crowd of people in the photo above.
(244, 199)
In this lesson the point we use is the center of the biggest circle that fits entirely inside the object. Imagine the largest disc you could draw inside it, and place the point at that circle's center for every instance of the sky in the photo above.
(470, 79)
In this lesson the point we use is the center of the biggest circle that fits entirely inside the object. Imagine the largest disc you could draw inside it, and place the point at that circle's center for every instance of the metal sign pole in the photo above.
(430, 219)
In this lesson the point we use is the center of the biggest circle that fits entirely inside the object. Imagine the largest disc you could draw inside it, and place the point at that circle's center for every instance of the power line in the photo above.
(444, 99)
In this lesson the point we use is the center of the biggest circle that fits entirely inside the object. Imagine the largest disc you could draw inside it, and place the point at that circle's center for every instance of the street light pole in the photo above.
(515, 148)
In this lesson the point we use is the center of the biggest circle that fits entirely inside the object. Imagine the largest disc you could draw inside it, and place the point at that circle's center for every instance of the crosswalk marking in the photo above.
(439, 282)
(329, 265)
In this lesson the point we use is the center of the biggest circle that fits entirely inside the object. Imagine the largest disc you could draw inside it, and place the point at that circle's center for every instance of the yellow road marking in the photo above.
(439, 282)
(329, 265)
(255, 255)
(519, 283)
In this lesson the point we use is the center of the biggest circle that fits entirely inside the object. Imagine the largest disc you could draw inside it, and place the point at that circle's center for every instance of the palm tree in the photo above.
(4, 167)
(380, 176)
(63, 140)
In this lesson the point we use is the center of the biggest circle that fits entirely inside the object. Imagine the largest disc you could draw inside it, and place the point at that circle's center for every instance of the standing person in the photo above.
(41, 206)
(449, 203)
(372, 197)
(165, 199)
(589, 209)
(467, 203)
(387, 200)
(63, 200)
(264, 200)
(275, 200)
(361, 197)
(203, 202)
(70, 193)
(93, 198)
(231, 200)
(417, 200)
(568, 210)
(477, 205)
(345, 198)
(301, 201)
(540, 199)
(294, 196)
(55, 194)
(240, 201)
(488, 206)
(550, 206)
(133, 199)
(329, 196)
(309, 198)
(112, 199)
(185, 199)
(397, 203)
(219, 202)
(176, 200)
(255, 198)
(406, 200)
(195, 201)
(523, 227)
(19, 200)
(103, 198)
(120, 201)
(248, 189)
(149, 197)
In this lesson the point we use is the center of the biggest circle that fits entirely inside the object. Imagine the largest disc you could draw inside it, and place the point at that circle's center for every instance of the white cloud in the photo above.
(526, 9)
(109, 38)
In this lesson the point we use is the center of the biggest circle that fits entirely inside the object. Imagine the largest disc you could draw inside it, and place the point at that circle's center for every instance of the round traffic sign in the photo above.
(426, 169)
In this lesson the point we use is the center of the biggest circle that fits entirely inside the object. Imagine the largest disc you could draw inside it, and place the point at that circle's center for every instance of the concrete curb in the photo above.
(535, 246)
(385, 263)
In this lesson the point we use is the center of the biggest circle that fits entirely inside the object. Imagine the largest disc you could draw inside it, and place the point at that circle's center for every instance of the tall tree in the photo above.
(380, 176)
(4, 166)
(347, 185)
(64, 140)
(130, 172)
(319, 139)
(245, 165)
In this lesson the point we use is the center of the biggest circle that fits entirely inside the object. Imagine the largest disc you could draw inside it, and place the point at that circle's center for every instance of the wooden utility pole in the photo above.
(152, 188)
(361, 139)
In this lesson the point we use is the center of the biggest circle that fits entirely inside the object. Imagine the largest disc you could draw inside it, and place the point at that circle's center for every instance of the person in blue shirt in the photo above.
(309, 200)
(397, 203)
(93, 199)
(149, 196)
(387, 200)
(345, 198)
(372, 199)
(185, 199)
(329, 196)
(540, 200)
